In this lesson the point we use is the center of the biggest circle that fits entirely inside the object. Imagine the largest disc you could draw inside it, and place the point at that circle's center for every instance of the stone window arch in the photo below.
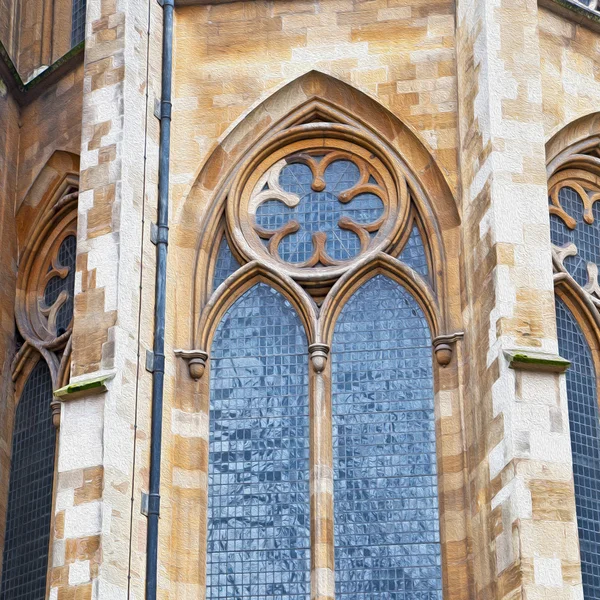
(574, 189)
(324, 214)
(44, 319)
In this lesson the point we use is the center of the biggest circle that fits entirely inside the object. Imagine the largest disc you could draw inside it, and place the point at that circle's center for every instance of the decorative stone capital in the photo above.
(443, 346)
(318, 356)
(196, 360)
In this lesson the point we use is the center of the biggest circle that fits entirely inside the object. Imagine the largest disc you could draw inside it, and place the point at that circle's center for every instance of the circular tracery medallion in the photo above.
(315, 206)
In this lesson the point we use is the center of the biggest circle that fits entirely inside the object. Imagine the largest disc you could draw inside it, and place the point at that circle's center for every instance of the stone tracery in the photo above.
(575, 221)
(318, 208)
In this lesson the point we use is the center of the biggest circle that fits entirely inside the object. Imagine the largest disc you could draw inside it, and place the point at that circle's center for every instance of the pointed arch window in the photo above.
(29, 513)
(575, 234)
(258, 500)
(319, 323)
(384, 453)
(44, 313)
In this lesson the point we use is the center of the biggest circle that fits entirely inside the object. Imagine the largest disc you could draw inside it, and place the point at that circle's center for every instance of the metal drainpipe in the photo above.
(160, 238)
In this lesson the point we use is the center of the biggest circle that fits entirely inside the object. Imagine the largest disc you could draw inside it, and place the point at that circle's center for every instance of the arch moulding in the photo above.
(311, 101)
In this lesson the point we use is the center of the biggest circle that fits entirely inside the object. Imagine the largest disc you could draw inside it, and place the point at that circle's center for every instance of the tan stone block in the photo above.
(92, 485)
(552, 500)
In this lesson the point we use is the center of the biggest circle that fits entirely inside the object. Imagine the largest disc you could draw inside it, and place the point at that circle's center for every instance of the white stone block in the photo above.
(81, 434)
(496, 460)
(64, 499)
(58, 553)
(547, 571)
(79, 572)
(83, 520)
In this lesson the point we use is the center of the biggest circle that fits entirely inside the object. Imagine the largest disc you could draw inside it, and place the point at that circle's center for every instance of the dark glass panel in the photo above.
(78, 22)
(29, 513)
(225, 265)
(413, 254)
(66, 258)
(387, 542)
(258, 507)
(585, 443)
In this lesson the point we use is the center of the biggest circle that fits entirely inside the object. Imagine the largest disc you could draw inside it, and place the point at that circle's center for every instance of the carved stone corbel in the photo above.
(196, 360)
(443, 346)
(55, 408)
(318, 356)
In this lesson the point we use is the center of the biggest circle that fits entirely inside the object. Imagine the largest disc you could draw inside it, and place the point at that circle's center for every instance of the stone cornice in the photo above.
(527, 360)
(24, 93)
(573, 11)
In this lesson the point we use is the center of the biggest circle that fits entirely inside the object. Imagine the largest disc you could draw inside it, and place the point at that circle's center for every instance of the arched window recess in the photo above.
(319, 295)
(574, 191)
(44, 319)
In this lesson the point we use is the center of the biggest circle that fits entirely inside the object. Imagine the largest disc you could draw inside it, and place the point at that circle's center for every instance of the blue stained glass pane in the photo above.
(225, 265)
(258, 506)
(413, 254)
(29, 511)
(319, 211)
(586, 237)
(387, 541)
(585, 443)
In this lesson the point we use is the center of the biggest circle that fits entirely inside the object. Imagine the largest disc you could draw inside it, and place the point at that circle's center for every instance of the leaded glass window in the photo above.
(413, 254)
(585, 443)
(322, 466)
(581, 241)
(258, 503)
(78, 22)
(29, 513)
(225, 265)
(387, 540)
(59, 291)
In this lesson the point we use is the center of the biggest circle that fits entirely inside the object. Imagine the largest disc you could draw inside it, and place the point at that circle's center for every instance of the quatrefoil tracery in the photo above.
(318, 208)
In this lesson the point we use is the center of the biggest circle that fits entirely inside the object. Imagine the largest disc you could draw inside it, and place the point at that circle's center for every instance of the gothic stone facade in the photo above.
(466, 113)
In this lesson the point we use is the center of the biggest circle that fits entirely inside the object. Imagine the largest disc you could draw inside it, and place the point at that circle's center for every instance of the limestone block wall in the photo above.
(51, 122)
(103, 445)
(230, 57)
(518, 440)
(35, 33)
(7, 25)
(482, 85)
(570, 64)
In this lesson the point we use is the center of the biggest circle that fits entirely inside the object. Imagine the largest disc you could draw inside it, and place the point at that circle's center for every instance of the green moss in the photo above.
(25, 87)
(97, 384)
(537, 360)
(579, 9)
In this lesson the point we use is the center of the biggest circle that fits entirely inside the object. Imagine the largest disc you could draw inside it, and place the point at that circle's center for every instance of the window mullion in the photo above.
(321, 474)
